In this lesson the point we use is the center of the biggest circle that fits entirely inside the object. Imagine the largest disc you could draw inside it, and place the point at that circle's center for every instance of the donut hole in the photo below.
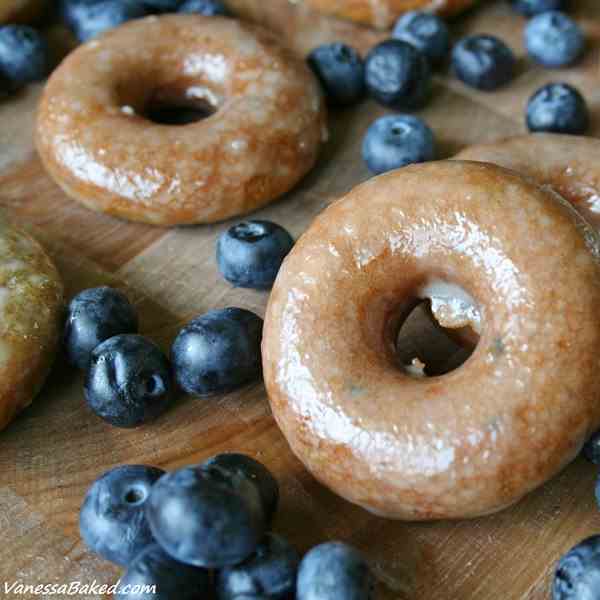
(178, 111)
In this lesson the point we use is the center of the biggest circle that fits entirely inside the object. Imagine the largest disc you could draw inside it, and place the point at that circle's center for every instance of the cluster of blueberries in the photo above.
(203, 531)
(397, 73)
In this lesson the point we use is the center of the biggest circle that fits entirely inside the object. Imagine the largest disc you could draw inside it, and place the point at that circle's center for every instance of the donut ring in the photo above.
(567, 163)
(264, 137)
(31, 297)
(383, 13)
(474, 440)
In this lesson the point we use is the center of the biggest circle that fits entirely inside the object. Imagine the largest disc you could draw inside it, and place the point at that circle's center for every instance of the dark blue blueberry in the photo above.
(112, 520)
(591, 449)
(483, 62)
(249, 254)
(129, 381)
(89, 18)
(397, 75)
(8, 86)
(241, 465)
(206, 517)
(160, 6)
(426, 32)
(154, 575)
(93, 316)
(332, 571)
(341, 71)
(269, 573)
(577, 575)
(558, 108)
(529, 8)
(24, 54)
(209, 8)
(553, 39)
(394, 141)
(218, 352)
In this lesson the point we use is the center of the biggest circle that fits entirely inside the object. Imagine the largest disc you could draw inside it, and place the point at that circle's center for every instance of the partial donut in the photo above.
(567, 163)
(480, 437)
(263, 136)
(31, 297)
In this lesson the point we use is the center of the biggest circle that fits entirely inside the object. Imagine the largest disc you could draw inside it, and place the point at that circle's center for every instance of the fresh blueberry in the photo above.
(591, 449)
(129, 381)
(89, 18)
(154, 575)
(249, 254)
(269, 573)
(559, 108)
(483, 62)
(394, 141)
(341, 71)
(24, 54)
(160, 6)
(424, 31)
(218, 352)
(553, 39)
(209, 8)
(529, 8)
(205, 516)
(397, 75)
(577, 575)
(93, 316)
(112, 520)
(334, 570)
(241, 465)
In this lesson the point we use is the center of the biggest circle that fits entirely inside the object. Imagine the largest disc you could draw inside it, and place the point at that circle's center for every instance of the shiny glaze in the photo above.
(30, 311)
(477, 439)
(383, 13)
(567, 163)
(263, 137)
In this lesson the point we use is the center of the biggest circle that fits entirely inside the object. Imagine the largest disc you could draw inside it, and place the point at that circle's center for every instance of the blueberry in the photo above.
(394, 141)
(341, 71)
(129, 381)
(334, 570)
(483, 62)
(426, 32)
(577, 575)
(249, 254)
(154, 575)
(206, 517)
(591, 449)
(93, 316)
(553, 39)
(160, 6)
(112, 520)
(529, 8)
(241, 465)
(24, 54)
(218, 352)
(209, 8)
(559, 108)
(269, 573)
(397, 75)
(89, 18)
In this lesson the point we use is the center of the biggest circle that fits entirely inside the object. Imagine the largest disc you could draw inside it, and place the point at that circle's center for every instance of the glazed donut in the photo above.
(383, 13)
(520, 263)
(31, 306)
(13, 11)
(569, 164)
(265, 135)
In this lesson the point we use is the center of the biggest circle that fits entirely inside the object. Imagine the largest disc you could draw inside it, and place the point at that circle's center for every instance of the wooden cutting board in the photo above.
(52, 453)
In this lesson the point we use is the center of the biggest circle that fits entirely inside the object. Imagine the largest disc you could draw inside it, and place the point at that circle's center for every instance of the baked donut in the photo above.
(13, 11)
(522, 266)
(96, 143)
(383, 13)
(31, 297)
(568, 163)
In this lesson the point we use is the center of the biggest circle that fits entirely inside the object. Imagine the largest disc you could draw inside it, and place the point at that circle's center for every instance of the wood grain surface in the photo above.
(54, 450)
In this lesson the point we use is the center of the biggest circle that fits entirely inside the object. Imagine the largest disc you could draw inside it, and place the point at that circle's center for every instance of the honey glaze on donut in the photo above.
(567, 163)
(31, 296)
(264, 133)
(478, 438)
